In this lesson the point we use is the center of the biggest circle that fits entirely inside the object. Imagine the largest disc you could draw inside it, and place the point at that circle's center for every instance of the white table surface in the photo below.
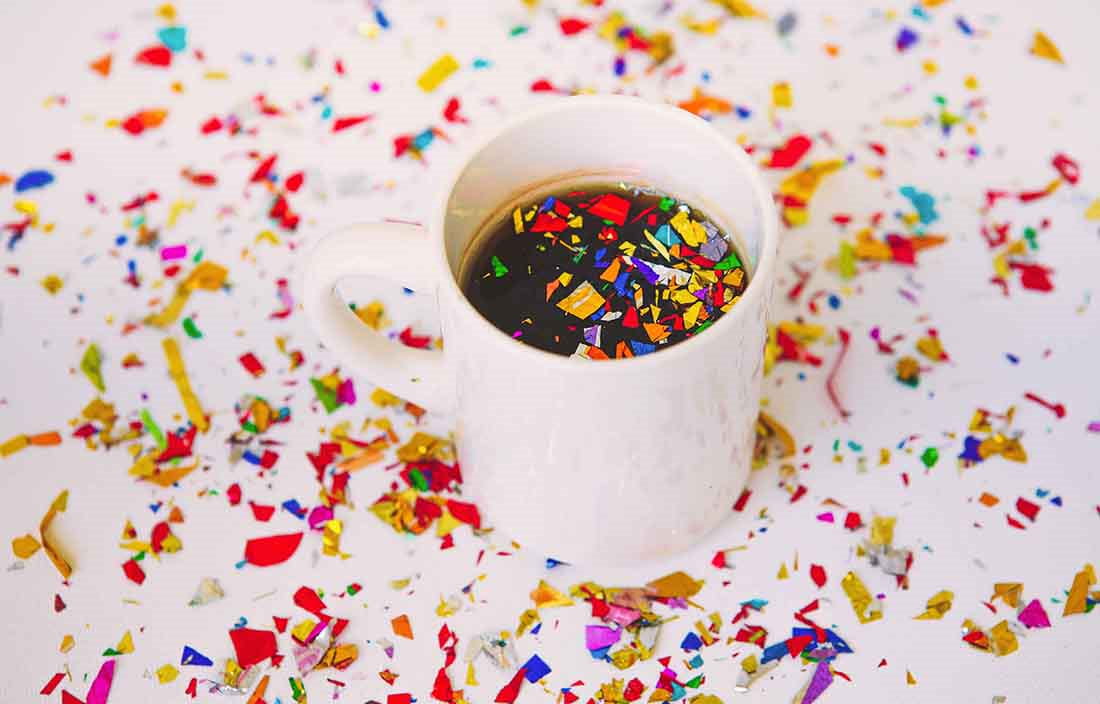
(1034, 109)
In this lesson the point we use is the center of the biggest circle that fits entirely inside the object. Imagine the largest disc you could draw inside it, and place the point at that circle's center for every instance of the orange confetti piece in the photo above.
(1044, 48)
(102, 65)
(402, 627)
(987, 499)
(58, 506)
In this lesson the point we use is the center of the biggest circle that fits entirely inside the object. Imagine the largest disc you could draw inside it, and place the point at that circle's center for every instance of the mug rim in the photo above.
(764, 267)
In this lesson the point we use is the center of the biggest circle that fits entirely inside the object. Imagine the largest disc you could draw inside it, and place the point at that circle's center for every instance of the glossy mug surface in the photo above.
(614, 461)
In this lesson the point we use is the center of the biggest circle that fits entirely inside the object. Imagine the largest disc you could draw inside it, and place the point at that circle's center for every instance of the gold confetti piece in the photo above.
(582, 302)
(340, 656)
(937, 606)
(867, 609)
(207, 276)
(1009, 592)
(1003, 639)
(1093, 211)
(91, 364)
(58, 506)
(527, 619)
(67, 643)
(167, 673)
(909, 679)
(302, 630)
(741, 9)
(438, 72)
(1078, 592)
(882, 530)
(705, 27)
(693, 232)
(330, 538)
(373, 315)
(781, 95)
(546, 595)
(471, 676)
(24, 546)
(783, 574)
(675, 585)
(1044, 48)
(931, 347)
(52, 284)
(15, 444)
(422, 447)
(178, 372)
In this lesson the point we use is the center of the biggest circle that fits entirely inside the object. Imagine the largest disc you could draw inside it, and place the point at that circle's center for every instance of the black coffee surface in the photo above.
(603, 271)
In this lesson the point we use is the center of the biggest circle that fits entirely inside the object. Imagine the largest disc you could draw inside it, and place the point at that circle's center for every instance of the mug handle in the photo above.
(404, 254)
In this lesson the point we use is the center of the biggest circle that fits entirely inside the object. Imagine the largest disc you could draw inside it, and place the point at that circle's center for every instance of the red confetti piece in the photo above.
(610, 207)
(877, 148)
(830, 387)
(510, 691)
(790, 153)
(252, 646)
(252, 365)
(161, 532)
(133, 571)
(52, 684)
(343, 123)
(1067, 168)
(817, 574)
(450, 112)
(399, 699)
(742, 500)
(447, 543)
(280, 623)
(307, 599)
(272, 550)
(633, 690)
(853, 521)
(338, 66)
(1029, 509)
(1034, 277)
(295, 181)
(58, 604)
(233, 493)
(442, 690)
(572, 25)
(797, 644)
(199, 179)
(260, 512)
(192, 688)
(543, 86)
(418, 341)
(65, 156)
(719, 559)
(1014, 523)
(210, 126)
(465, 512)
(1058, 409)
(159, 56)
(882, 663)
(798, 493)
(67, 698)
(263, 170)
(756, 635)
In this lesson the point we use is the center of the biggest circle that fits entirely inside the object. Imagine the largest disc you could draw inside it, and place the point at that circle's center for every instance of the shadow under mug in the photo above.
(607, 462)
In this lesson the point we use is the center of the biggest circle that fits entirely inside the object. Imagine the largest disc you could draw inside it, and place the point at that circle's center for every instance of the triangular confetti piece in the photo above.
(102, 65)
(1044, 48)
(909, 679)
(783, 574)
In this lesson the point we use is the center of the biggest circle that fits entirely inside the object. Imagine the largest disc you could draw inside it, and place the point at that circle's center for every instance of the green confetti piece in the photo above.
(352, 590)
(198, 255)
(1030, 236)
(666, 204)
(499, 269)
(694, 682)
(930, 457)
(732, 261)
(325, 395)
(417, 479)
(846, 261)
(702, 326)
(153, 428)
(249, 426)
(518, 30)
(110, 652)
(92, 366)
(191, 329)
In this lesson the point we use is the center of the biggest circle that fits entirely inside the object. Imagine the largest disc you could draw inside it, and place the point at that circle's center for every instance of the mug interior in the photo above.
(608, 138)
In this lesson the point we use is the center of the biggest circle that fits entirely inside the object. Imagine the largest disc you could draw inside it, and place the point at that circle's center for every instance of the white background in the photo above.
(1033, 110)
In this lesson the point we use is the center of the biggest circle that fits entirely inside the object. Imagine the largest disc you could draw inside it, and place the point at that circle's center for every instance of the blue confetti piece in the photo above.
(678, 692)
(120, 240)
(241, 623)
(600, 654)
(33, 179)
(774, 652)
(536, 629)
(1012, 358)
(786, 24)
(696, 662)
(482, 63)
(193, 657)
(1057, 501)
(919, 13)
(326, 113)
(705, 76)
(833, 639)
(667, 236)
(620, 66)
(756, 604)
(647, 273)
(175, 38)
(156, 507)
(294, 508)
(551, 563)
(964, 26)
(250, 457)
(535, 669)
(970, 449)
(691, 642)
(924, 204)
(1042, 493)
(642, 348)
(834, 301)
(381, 19)
(425, 138)
(906, 39)
(743, 113)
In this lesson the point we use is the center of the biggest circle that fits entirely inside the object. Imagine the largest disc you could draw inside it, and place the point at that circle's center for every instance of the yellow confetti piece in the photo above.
(422, 447)
(783, 574)
(471, 676)
(675, 585)
(705, 27)
(58, 506)
(178, 208)
(339, 656)
(1009, 592)
(1093, 211)
(178, 372)
(373, 315)
(52, 284)
(1003, 639)
(14, 444)
(25, 546)
(207, 276)
(693, 232)
(92, 366)
(782, 97)
(167, 673)
(971, 83)
(527, 619)
(330, 538)
(125, 644)
(546, 596)
(517, 220)
(909, 679)
(1076, 602)
(867, 609)
(741, 9)
(937, 606)
(438, 72)
(750, 664)
(167, 12)
(67, 643)
(1044, 48)
(932, 348)
(882, 530)
(582, 302)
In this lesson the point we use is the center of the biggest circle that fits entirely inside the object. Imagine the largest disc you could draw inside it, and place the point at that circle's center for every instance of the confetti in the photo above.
(437, 73)
(272, 550)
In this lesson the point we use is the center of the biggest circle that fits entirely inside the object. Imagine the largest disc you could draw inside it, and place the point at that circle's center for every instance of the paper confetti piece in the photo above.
(272, 550)
(178, 372)
(938, 605)
(401, 626)
(438, 72)
(92, 366)
(866, 608)
(1077, 601)
(24, 546)
(582, 302)
(252, 646)
(101, 685)
(102, 65)
(58, 506)
(1044, 48)
(1034, 615)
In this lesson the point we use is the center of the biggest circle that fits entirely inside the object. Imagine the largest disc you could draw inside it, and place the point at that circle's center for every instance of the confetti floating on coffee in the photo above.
(604, 272)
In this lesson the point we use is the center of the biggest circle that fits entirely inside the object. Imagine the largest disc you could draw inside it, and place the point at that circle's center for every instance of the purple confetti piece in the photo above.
(599, 637)
(822, 678)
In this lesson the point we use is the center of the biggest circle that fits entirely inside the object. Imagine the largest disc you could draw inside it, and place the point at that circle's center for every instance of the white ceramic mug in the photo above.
(609, 461)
